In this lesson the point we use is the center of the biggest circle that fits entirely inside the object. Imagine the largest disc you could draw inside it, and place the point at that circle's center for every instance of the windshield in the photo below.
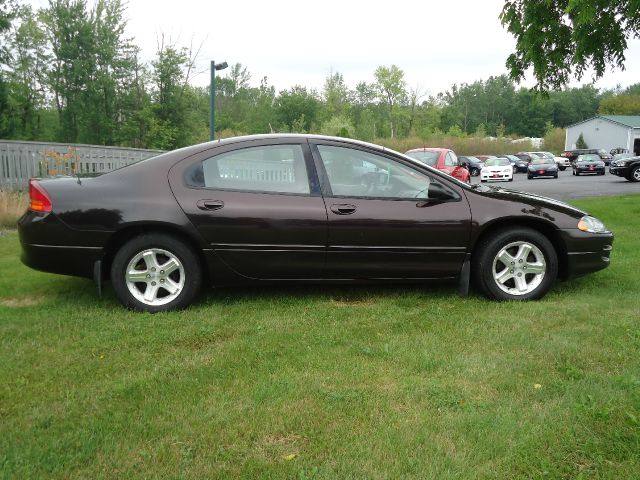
(622, 156)
(497, 162)
(425, 156)
(547, 155)
(588, 158)
(541, 161)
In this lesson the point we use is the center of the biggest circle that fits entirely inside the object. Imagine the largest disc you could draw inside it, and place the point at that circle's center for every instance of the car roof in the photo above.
(429, 149)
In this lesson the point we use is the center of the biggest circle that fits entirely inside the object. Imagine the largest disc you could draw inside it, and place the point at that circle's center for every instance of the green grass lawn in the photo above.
(336, 382)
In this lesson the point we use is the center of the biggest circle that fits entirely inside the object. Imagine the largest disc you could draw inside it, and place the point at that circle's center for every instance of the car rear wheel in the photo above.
(156, 272)
(634, 175)
(515, 264)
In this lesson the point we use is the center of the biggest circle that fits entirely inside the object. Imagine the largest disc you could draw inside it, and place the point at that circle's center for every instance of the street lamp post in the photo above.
(212, 96)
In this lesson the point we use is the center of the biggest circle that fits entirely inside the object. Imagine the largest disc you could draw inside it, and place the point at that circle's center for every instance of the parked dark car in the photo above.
(626, 165)
(589, 163)
(473, 164)
(305, 209)
(573, 154)
(515, 162)
(542, 167)
(525, 158)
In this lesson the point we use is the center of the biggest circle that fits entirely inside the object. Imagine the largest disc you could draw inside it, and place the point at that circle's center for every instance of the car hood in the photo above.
(530, 198)
(543, 166)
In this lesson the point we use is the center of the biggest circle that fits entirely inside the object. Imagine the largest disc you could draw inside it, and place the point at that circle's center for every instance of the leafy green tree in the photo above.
(391, 89)
(112, 76)
(573, 105)
(625, 104)
(296, 109)
(26, 79)
(562, 38)
(336, 96)
(338, 126)
(180, 112)
(554, 139)
(71, 39)
(633, 89)
(580, 143)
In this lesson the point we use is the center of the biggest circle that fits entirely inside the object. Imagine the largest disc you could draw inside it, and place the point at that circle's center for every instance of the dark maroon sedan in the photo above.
(300, 208)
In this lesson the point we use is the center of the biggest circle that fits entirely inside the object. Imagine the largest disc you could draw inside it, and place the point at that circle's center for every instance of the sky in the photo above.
(435, 43)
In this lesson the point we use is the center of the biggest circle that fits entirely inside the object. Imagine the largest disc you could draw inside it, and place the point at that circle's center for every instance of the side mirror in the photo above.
(438, 192)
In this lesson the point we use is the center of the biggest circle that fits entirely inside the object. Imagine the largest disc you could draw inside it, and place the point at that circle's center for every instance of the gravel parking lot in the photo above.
(567, 186)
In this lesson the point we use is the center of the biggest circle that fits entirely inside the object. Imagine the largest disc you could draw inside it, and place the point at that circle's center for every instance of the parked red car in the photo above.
(442, 159)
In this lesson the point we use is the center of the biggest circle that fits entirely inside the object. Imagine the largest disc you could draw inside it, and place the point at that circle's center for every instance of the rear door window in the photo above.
(269, 168)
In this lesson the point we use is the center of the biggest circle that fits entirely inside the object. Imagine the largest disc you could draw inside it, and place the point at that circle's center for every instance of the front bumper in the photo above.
(595, 170)
(620, 171)
(496, 176)
(586, 252)
(544, 173)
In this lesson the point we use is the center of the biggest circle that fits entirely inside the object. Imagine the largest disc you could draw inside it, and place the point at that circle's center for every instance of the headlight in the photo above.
(620, 163)
(591, 224)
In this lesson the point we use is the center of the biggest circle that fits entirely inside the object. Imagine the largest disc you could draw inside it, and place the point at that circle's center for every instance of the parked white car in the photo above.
(498, 169)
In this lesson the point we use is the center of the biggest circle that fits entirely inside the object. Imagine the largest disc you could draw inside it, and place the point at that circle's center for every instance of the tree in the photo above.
(336, 96)
(70, 35)
(624, 104)
(561, 38)
(27, 77)
(580, 143)
(391, 89)
(297, 108)
(554, 139)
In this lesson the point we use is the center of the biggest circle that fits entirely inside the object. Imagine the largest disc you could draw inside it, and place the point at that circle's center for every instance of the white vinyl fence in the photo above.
(20, 161)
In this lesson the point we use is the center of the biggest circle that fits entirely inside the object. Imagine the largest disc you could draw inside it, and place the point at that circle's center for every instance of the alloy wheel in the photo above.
(155, 276)
(519, 268)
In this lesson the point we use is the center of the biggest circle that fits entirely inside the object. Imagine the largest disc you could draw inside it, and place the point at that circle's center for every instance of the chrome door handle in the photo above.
(343, 209)
(210, 204)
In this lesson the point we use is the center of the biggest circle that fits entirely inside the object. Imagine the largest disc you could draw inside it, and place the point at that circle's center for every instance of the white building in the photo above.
(606, 132)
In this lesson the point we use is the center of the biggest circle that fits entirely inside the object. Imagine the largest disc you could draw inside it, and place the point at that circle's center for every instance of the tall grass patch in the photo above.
(12, 206)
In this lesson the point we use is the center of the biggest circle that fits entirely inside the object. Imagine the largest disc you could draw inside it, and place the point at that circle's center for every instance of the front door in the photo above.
(258, 206)
(382, 223)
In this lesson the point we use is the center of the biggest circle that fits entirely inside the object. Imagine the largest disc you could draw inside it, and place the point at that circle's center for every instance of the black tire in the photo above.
(190, 274)
(555, 176)
(634, 174)
(511, 179)
(562, 169)
(488, 249)
(529, 176)
(475, 172)
(482, 181)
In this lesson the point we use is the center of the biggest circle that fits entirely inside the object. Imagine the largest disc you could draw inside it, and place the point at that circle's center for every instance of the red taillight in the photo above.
(40, 201)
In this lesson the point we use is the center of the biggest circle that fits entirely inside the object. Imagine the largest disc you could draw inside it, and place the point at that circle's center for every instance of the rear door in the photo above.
(258, 205)
(382, 225)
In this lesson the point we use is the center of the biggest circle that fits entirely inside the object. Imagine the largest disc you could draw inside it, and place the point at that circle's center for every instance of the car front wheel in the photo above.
(156, 272)
(634, 175)
(515, 264)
